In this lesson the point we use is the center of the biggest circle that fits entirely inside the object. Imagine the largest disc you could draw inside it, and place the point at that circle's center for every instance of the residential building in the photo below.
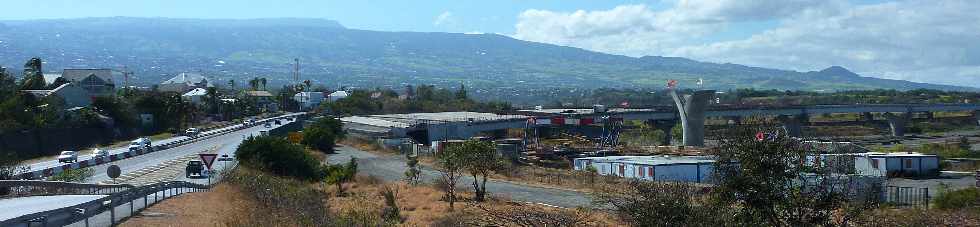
(655, 168)
(337, 95)
(72, 95)
(184, 82)
(195, 96)
(308, 100)
(98, 82)
(264, 100)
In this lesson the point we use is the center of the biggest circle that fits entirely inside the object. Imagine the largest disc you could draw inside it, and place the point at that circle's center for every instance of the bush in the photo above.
(323, 134)
(958, 199)
(287, 202)
(280, 157)
(73, 175)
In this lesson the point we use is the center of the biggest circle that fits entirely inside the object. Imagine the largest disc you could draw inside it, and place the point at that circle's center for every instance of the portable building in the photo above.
(654, 168)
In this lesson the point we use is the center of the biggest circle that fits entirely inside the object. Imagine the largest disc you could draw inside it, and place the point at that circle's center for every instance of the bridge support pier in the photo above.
(692, 110)
(867, 117)
(897, 122)
(667, 126)
(793, 126)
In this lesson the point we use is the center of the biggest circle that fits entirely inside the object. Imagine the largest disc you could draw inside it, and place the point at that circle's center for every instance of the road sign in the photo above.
(208, 159)
(113, 171)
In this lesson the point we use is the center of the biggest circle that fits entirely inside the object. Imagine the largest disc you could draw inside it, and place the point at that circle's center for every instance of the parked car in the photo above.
(249, 122)
(278, 122)
(68, 156)
(194, 168)
(142, 143)
(192, 132)
(99, 153)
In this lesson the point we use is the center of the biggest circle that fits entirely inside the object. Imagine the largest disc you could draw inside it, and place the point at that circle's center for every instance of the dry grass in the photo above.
(218, 207)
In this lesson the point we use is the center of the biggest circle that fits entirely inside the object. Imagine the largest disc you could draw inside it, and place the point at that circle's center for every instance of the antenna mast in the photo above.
(296, 71)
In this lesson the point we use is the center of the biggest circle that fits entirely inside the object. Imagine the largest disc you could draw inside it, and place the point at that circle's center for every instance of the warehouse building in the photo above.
(655, 168)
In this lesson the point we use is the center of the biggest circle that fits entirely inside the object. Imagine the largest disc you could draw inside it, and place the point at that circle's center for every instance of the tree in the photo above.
(263, 82)
(33, 76)
(278, 156)
(340, 174)
(783, 181)
(480, 159)
(254, 83)
(452, 162)
(413, 175)
(323, 134)
(461, 93)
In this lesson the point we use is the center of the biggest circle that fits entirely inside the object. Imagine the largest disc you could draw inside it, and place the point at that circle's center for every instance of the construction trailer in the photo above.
(654, 168)
(886, 164)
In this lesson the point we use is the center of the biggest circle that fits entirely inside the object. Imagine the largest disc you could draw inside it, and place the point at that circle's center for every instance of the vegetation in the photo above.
(480, 160)
(340, 174)
(968, 198)
(285, 201)
(413, 174)
(278, 156)
(323, 134)
(452, 162)
(73, 175)
(424, 98)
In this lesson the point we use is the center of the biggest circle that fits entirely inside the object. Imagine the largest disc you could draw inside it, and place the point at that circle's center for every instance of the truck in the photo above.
(194, 168)
(142, 143)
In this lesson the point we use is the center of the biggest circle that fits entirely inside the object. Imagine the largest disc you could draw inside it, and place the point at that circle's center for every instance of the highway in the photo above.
(224, 144)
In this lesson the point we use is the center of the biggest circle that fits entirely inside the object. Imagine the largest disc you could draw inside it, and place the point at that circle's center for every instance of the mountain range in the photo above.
(330, 54)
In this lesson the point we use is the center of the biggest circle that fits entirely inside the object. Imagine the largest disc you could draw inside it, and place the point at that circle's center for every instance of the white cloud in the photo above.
(444, 18)
(918, 40)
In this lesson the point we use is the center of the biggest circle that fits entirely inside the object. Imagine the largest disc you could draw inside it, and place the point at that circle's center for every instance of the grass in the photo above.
(224, 205)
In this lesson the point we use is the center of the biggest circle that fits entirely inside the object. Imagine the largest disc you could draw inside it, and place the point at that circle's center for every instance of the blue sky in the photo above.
(919, 40)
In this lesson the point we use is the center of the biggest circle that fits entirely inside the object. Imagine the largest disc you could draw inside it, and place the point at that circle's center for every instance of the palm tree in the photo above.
(262, 80)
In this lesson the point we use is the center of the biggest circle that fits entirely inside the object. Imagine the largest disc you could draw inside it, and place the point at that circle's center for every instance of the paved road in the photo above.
(392, 168)
(225, 144)
(17, 207)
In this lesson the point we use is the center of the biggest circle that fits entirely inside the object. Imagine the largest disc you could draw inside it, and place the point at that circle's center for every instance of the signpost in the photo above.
(113, 171)
(208, 159)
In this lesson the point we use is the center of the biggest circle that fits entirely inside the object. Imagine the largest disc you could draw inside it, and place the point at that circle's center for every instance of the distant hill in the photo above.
(331, 54)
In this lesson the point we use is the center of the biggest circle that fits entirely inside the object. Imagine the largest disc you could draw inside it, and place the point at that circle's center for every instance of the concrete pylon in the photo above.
(792, 125)
(691, 110)
(867, 116)
(667, 127)
(897, 122)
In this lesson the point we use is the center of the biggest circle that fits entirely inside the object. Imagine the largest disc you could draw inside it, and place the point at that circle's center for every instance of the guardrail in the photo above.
(21, 188)
(85, 211)
(47, 172)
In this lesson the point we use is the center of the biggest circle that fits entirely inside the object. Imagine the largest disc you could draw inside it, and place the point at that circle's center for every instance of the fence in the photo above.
(23, 188)
(907, 197)
(96, 209)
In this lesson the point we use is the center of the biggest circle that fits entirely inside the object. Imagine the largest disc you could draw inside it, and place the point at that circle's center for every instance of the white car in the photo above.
(141, 144)
(192, 132)
(68, 156)
(99, 153)
(250, 122)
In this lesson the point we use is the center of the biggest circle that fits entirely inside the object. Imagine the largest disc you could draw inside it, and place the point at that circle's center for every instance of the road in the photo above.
(225, 144)
(392, 168)
(17, 207)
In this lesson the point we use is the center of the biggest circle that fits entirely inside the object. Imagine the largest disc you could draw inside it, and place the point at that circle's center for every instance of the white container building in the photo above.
(655, 168)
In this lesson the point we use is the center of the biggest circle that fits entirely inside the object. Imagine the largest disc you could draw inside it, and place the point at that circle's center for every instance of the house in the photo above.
(655, 168)
(98, 82)
(195, 96)
(337, 95)
(264, 100)
(184, 82)
(72, 95)
(308, 100)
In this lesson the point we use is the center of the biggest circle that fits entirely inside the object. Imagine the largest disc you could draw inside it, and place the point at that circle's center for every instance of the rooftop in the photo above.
(581, 111)
(654, 160)
(406, 120)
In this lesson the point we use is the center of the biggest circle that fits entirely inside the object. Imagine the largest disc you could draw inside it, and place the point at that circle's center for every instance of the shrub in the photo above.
(280, 157)
(323, 134)
(288, 202)
(958, 199)
(73, 175)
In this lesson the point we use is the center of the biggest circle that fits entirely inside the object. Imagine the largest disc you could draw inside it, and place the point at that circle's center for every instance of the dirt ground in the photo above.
(213, 208)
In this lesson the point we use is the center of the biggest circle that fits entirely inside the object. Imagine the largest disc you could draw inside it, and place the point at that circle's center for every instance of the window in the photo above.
(908, 163)
(622, 170)
(650, 172)
(874, 163)
(642, 174)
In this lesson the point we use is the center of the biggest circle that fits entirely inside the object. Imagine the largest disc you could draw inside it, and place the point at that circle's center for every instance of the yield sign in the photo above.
(208, 159)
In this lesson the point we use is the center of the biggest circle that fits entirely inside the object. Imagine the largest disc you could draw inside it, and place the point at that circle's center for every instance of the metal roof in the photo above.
(654, 160)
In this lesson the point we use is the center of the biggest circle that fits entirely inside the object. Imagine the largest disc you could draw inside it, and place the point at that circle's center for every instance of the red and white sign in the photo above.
(208, 159)
(671, 84)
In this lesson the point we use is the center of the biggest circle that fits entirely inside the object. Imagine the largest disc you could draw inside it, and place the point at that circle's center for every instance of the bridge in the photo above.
(791, 117)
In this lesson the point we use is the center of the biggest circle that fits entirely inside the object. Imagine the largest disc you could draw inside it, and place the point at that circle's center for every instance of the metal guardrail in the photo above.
(22, 188)
(82, 212)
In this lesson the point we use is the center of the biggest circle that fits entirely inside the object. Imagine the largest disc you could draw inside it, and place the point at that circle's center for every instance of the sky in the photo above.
(932, 41)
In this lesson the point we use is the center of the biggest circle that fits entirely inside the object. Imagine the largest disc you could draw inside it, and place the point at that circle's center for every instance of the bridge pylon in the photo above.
(691, 110)
(897, 122)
